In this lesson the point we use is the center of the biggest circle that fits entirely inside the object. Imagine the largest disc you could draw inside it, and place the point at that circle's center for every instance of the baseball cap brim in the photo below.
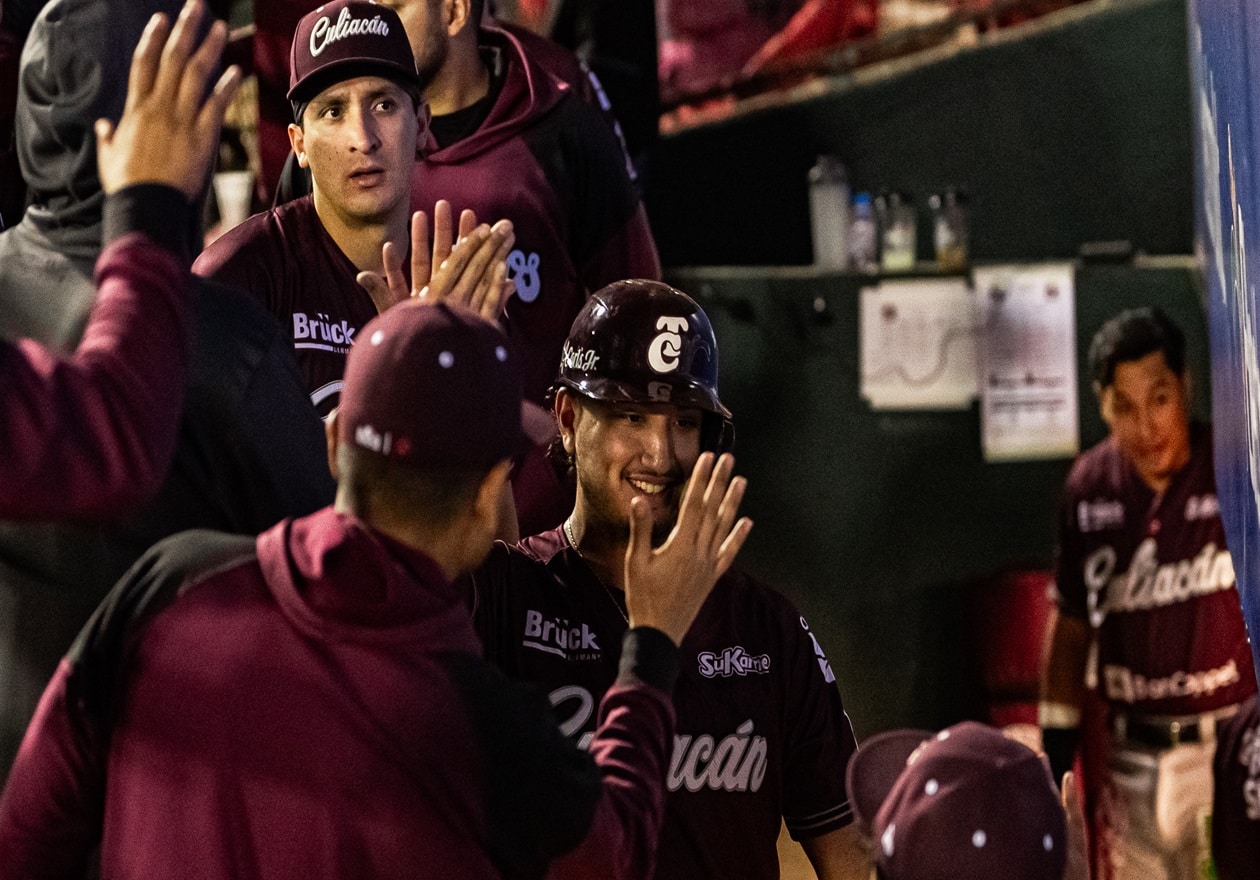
(538, 424)
(875, 768)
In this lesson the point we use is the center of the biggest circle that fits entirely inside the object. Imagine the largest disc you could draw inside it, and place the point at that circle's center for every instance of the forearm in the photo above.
(50, 814)
(95, 433)
(839, 854)
(1063, 691)
(631, 748)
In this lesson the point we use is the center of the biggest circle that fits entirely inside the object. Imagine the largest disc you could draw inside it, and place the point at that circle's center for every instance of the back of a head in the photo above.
(967, 803)
(1131, 335)
(431, 402)
(74, 70)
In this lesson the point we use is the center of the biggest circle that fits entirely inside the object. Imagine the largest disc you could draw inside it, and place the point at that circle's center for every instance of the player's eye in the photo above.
(386, 105)
(332, 111)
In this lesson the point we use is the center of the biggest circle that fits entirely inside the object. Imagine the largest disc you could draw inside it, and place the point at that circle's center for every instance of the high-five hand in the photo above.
(468, 270)
(666, 586)
(169, 130)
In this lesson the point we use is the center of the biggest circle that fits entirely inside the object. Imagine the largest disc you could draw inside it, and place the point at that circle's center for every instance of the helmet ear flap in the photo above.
(717, 435)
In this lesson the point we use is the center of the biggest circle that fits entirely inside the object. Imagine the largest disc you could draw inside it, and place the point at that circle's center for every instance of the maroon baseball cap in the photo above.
(433, 386)
(967, 803)
(345, 39)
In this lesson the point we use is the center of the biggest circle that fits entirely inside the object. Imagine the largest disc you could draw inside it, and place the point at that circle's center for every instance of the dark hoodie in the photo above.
(249, 451)
(546, 160)
(312, 705)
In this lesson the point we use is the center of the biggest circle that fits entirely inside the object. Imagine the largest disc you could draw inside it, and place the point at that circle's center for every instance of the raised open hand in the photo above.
(468, 269)
(169, 129)
(665, 586)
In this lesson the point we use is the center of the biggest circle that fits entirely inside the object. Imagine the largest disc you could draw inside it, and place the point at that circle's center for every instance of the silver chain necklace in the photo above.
(568, 534)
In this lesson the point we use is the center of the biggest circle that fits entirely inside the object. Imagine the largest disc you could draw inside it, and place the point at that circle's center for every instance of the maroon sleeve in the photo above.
(89, 435)
(631, 749)
(52, 808)
(244, 257)
(818, 740)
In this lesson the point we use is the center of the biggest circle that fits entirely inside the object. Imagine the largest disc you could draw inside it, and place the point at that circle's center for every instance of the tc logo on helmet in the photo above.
(667, 346)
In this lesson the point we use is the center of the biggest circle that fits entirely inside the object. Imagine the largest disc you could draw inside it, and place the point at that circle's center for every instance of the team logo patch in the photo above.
(732, 661)
(523, 272)
(823, 663)
(1098, 516)
(666, 348)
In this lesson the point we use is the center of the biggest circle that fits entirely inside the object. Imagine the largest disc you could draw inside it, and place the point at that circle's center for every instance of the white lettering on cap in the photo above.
(667, 346)
(325, 33)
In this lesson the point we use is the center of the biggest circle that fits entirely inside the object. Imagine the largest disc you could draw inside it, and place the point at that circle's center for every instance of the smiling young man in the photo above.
(359, 117)
(1145, 581)
(762, 734)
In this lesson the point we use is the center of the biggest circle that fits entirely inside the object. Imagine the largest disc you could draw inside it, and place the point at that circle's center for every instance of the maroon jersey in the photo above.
(1152, 574)
(288, 260)
(761, 734)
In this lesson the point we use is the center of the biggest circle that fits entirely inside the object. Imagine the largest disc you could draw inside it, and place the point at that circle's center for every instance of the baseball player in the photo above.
(357, 106)
(499, 116)
(1145, 581)
(963, 804)
(762, 734)
(311, 704)
(94, 434)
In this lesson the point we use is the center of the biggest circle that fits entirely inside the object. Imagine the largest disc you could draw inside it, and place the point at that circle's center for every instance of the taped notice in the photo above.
(1028, 361)
(918, 342)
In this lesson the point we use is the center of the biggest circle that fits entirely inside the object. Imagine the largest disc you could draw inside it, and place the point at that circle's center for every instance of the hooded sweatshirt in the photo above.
(249, 450)
(546, 160)
(312, 705)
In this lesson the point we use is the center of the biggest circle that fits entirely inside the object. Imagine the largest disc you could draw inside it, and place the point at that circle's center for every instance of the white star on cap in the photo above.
(378, 337)
(979, 839)
(1047, 842)
(887, 839)
(932, 787)
(446, 359)
(501, 353)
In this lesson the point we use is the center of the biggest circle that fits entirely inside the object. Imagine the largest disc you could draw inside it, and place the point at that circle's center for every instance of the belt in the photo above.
(1166, 731)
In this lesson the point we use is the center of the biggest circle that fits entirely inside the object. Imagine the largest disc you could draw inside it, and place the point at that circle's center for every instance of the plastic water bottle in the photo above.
(863, 236)
(829, 212)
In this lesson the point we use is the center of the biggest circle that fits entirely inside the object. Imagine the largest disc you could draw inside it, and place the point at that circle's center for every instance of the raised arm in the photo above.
(90, 435)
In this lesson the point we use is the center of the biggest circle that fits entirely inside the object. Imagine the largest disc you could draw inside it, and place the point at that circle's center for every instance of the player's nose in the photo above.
(658, 443)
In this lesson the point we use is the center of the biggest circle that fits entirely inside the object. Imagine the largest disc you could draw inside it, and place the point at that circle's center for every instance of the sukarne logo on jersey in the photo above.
(321, 333)
(559, 636)
(736, 763)
(1147, 584)
(732, 661)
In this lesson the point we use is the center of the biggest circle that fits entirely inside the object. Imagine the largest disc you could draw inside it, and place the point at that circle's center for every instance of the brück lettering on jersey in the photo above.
(737, 762)
(1147, 584)
(732, 661)
(325, 33)
(319, 332)
(556, 635)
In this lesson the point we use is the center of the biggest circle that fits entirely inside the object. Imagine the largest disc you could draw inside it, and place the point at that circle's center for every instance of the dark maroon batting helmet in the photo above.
(645, 342)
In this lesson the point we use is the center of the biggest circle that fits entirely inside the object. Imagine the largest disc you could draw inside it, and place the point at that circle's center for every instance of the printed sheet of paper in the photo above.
(918, 344)
(1028, 361)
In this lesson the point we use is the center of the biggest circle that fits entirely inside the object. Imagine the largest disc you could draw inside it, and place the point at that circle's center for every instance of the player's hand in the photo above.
(1077, 867)
(468, 269)
(169, 130)
(666, 586)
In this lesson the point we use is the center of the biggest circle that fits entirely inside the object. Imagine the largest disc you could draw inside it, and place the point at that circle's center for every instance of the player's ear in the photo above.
(458, 17)
(566, 417)
(297, 140)
(1106, 402)
(331, 440)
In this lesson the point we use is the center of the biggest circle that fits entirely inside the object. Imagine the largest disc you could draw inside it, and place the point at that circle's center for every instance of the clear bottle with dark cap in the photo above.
(950, 229)
(898, 226)
(829, 212)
